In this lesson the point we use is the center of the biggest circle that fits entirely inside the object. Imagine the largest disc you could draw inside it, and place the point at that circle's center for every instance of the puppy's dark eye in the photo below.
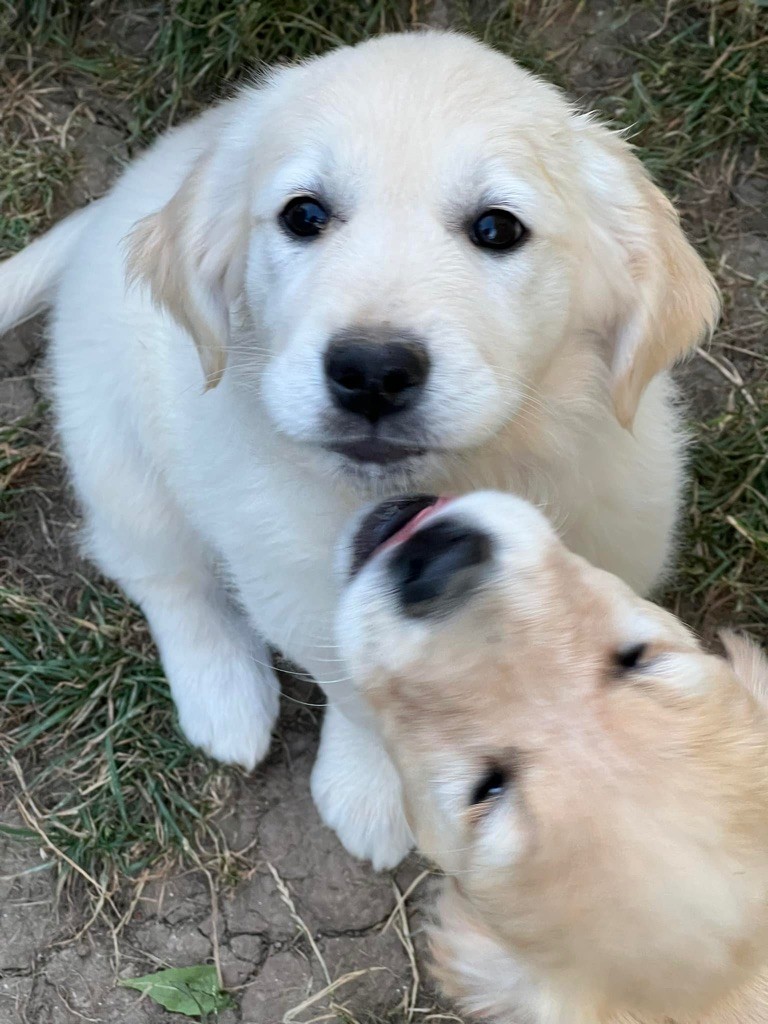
(304, 217)
(493, 784)
(499, 230)
(631, 657)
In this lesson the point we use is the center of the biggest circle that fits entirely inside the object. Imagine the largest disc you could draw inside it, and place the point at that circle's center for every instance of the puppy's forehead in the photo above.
(415, 97)
(406, 74)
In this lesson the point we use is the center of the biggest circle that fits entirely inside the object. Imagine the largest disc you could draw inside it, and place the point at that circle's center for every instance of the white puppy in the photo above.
(406, 264)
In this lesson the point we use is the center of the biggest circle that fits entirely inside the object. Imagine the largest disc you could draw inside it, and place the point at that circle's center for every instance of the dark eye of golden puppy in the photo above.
(492, 785)
(498, 230)
(631, 657)
(304, 217)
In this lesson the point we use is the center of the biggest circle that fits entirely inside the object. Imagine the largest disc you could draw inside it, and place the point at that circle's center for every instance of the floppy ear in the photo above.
(667, 300)
(192, 252)
(748, 662)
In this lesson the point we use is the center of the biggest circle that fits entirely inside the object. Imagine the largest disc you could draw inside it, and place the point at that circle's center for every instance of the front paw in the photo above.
(361, 800)
(229, 712)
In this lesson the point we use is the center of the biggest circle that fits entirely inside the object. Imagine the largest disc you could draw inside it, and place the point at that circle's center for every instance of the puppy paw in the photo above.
(358, 794)
(228, 710)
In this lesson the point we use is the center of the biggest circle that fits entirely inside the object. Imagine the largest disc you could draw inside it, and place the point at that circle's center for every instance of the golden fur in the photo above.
(622, 876)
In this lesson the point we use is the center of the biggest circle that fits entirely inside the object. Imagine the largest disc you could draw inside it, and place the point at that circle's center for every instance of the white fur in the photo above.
(189, 492)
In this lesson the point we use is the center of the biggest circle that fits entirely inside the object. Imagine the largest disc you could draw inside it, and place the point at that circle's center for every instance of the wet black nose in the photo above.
(374, 375)
(439, 566)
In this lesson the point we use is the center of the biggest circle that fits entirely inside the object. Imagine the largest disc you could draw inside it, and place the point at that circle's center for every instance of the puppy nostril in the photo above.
(396, 380)
(414, 571)
(350, 379)
(439, 566)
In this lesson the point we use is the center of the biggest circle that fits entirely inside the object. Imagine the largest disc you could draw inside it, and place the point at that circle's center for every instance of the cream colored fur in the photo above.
(188, 336)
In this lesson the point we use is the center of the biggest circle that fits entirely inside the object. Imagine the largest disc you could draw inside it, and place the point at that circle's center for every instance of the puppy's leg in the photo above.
(357, 791)
(218, 670)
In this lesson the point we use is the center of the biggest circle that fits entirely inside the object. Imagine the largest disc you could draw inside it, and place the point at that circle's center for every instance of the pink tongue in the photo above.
(413, 524)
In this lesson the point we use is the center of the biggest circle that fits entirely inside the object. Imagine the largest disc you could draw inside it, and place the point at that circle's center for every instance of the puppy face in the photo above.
(593, 782)
(440, 236)
(392, 244)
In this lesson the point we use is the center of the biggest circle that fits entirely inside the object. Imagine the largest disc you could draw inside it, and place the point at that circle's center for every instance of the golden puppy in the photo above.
(593, 783)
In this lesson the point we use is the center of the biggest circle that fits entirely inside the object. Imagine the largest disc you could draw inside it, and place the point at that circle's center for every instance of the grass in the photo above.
(699, 91)
(102, 776)
(191, 49)
(20, 451)
(697, 88)
(148, 66)
(30, 176)
(95, 769)
(722, 577)
(518, 28)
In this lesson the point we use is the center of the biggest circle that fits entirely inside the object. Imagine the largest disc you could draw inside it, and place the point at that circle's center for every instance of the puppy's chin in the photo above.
(383, 480)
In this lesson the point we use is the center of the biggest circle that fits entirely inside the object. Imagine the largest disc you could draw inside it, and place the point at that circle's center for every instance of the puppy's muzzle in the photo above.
(376, 378)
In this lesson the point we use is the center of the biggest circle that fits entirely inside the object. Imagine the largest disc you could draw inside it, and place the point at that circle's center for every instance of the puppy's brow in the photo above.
(300, 176)
(508, 197)
(510, 760)
(306, 185)
(471, 201)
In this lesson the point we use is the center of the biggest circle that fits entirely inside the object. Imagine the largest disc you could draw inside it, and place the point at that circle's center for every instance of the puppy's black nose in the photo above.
(439, 566)
(375, 374)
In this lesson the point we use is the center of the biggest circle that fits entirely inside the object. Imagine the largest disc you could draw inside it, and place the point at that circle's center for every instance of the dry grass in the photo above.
(723, 573)
(99, 768)
(20, 451)
(35, 163)
(140, 67)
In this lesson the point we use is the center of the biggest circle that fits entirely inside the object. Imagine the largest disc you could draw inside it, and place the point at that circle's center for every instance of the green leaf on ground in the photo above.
(193, 991)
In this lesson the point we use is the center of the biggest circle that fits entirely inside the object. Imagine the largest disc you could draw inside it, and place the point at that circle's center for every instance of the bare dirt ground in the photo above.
(298, 927)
